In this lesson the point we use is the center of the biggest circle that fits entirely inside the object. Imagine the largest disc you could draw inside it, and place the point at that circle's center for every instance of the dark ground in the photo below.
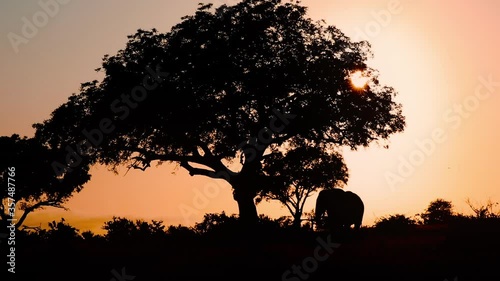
(470, 252)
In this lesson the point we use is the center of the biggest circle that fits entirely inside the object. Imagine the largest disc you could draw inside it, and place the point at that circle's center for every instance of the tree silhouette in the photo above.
(27, 177)
(483, 211)
(302, 171)
(438, 211)
(235, 83)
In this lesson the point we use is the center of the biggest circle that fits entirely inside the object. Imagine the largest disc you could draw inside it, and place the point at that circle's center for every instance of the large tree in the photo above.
(28, 180)
(238, 82)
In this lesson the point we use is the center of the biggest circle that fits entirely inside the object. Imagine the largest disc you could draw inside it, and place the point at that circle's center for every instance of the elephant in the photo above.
(344, 208)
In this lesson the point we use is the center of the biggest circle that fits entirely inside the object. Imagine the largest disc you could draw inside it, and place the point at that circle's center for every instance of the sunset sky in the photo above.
(441, 56)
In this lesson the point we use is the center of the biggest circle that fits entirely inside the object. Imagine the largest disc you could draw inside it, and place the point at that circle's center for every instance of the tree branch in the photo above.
(208, 159)
(304, 200)
(289, 209)
(198, 171)
(52, 203)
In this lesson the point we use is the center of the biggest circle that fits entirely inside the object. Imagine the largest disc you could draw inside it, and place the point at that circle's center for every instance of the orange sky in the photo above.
(433, 53)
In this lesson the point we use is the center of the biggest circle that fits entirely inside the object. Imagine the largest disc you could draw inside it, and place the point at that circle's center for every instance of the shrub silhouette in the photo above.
(219, 227)
(217, 244)
(62, 233)
(124, 230)
(90, 237)
(484, 211)
(439, 211)
(216, 223)
(395, 223)
(181, 232)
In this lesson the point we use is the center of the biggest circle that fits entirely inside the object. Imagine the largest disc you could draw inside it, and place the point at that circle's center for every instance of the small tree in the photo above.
(484, 211)
(438, 211)
(301, 172)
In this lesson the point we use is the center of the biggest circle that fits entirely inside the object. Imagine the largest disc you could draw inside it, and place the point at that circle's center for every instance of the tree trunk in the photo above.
(244, 196)
(297, 220)
(247, 209)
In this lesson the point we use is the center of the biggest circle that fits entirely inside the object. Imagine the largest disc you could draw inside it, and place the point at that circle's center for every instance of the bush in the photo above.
(181, 231)
(395, 223)
(215, 223)
(62, 233)
(125, 230)
(439, 211)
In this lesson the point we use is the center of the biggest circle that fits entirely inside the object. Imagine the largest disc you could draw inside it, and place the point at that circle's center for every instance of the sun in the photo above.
(359, 79)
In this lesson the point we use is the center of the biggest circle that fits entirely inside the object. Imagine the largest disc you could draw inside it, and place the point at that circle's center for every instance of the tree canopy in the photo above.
(233, 84)
(29, 181)
(438, 211)
(302, 171)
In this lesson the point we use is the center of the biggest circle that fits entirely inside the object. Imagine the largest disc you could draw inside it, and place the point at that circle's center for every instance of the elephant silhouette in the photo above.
(344, 208)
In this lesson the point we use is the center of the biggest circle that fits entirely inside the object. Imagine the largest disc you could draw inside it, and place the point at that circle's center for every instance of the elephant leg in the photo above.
(359, 222)
(335, 225)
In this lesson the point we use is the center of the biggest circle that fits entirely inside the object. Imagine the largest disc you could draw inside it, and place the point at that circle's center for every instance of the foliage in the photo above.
(310, 218)
(181, 232)
(234, 83)
(89, 236)
(200, 258)
(484, 211)
(34, 185)
(122, 229)
(395, 223)
(62, 231)
(58, 233)
(285, 221)
(302, 171)
(438, 211)
(223, 227)
(213, 222)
